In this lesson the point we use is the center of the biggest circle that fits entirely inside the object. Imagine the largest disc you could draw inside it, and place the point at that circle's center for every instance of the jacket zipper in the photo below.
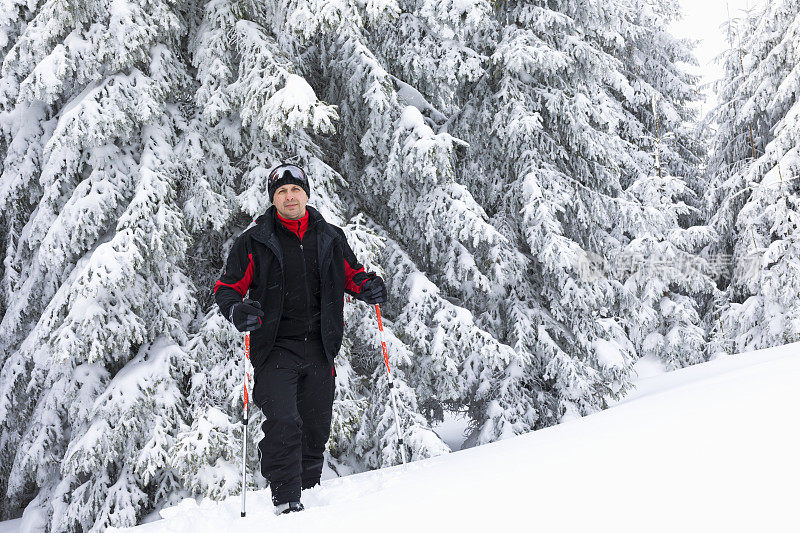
(305, 279)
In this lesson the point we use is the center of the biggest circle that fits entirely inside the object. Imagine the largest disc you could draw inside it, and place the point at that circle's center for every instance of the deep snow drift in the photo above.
(713, 447)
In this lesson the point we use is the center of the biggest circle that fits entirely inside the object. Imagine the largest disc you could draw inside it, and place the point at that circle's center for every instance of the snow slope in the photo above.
(10, 526)
(714, 447)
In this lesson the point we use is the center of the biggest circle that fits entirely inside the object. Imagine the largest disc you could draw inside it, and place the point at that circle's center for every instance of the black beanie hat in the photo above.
(285, 174)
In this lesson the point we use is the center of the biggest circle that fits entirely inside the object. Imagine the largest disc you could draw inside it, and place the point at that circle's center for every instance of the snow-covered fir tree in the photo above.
(672, 283)
(753, 200)
(94, 273)
(671, 275)
(555, 103)
(479, 155)
(255, 100)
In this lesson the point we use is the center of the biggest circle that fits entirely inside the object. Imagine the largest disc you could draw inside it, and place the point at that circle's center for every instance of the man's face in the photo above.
(290, 201)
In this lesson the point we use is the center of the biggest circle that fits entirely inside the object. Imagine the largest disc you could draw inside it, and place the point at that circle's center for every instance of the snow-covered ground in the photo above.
(711, 448)
(10, 526)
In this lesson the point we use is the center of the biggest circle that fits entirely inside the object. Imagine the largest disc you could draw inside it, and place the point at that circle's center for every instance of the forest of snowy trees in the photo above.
(528, 176)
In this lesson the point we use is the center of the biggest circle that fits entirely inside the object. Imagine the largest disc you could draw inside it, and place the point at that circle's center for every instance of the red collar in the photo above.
(298, 227)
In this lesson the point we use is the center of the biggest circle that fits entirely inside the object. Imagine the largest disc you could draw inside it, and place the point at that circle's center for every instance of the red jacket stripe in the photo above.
(243, 284)
(349, 272)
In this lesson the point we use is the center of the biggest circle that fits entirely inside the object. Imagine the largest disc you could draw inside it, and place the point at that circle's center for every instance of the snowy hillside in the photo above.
(712, 447)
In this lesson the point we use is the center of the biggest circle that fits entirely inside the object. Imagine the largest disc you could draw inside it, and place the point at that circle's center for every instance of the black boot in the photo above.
(290, 507)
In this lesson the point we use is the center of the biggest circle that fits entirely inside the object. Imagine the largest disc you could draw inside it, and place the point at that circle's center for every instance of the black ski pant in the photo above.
(295, 389)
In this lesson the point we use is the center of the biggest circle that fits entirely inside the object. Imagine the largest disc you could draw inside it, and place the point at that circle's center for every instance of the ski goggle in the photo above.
(278, 172)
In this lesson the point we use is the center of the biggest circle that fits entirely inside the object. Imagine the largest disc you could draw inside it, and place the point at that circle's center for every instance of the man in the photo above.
(296, 267)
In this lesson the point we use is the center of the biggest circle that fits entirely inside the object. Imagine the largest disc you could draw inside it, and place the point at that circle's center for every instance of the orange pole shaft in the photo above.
(392, 391)
(383, 342)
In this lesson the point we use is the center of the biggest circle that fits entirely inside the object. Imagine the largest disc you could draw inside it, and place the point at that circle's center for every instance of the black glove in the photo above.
(246, 315)
(373, 291)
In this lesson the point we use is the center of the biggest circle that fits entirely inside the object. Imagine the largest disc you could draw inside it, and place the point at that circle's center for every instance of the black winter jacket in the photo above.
(256, 264)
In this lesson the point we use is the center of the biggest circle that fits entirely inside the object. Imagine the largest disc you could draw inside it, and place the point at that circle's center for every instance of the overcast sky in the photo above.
(702, 19)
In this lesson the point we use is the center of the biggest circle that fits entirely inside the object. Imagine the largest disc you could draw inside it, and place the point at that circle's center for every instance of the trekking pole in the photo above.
(391, 386)
(245, 418)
